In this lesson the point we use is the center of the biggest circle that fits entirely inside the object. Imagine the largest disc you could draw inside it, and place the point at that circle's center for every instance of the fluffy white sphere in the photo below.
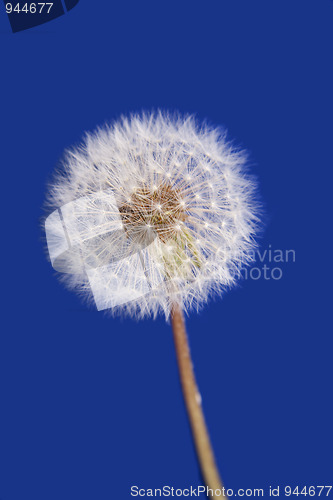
(150, 211)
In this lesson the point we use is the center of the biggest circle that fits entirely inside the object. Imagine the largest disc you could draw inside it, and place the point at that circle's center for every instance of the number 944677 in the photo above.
(32, 8)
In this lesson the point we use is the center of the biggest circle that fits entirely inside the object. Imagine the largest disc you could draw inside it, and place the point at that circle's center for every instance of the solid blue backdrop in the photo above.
(91, 405)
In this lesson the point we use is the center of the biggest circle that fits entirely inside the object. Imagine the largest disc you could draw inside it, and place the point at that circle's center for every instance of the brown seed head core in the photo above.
(150, 213)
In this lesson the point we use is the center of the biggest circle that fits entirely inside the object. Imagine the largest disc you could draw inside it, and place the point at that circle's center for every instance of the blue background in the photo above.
(92, 405)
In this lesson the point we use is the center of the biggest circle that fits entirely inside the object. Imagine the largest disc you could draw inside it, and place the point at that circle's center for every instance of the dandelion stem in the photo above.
(193, 404)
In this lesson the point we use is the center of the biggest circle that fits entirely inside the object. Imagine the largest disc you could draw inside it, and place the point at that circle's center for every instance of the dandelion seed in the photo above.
(154, 214)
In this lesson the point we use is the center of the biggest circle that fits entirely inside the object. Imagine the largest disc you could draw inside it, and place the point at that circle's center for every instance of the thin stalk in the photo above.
(193, 404)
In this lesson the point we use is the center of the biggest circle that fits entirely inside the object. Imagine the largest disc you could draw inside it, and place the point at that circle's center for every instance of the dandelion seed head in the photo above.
(152, 210)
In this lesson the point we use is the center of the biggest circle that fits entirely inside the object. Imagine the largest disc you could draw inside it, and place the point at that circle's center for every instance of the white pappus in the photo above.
(152, 210)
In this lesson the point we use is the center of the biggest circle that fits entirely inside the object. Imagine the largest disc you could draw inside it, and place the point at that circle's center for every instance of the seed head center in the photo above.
(158, 211)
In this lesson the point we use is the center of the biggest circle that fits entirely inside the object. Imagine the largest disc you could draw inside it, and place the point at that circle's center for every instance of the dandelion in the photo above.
(155, 214)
